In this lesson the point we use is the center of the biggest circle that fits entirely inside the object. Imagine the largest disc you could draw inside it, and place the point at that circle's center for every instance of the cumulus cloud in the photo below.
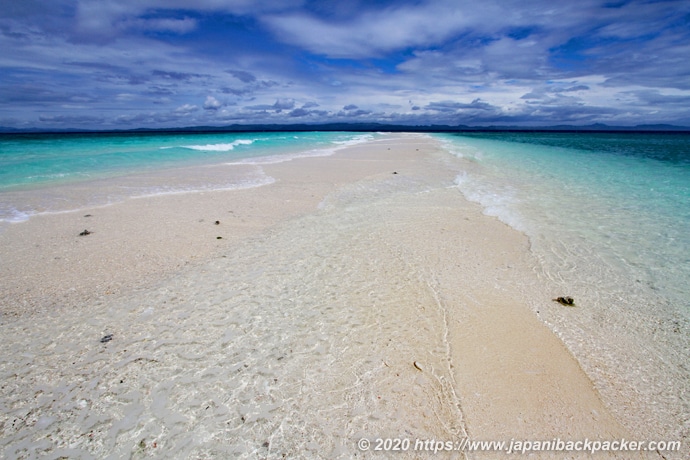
(212, 103)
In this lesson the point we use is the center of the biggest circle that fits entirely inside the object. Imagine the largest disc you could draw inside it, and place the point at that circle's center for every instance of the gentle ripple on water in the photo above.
(607, 217)
(297, 344)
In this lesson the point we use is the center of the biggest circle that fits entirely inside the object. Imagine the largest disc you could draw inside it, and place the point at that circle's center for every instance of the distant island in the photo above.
(362, 127)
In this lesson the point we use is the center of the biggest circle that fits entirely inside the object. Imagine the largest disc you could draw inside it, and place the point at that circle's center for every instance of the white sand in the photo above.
(296, 333)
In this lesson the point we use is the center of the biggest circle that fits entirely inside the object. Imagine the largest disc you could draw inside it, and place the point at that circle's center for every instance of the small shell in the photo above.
(418, 366)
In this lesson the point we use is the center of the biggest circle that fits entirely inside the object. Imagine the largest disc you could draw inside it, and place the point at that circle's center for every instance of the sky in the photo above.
(120, 64)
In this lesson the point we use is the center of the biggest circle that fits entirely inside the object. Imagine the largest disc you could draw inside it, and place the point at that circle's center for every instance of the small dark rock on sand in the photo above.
(85, 232)
(217, 222)
(567, 301)
(106, 338)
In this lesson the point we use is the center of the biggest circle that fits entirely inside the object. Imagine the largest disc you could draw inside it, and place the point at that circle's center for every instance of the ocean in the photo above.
(608, 219)
(609, 213)
(601, 208)
(44, 173)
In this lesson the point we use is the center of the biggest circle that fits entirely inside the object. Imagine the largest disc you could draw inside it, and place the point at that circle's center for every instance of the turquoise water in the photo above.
(61, 172)
(608, 220)
(622, 198)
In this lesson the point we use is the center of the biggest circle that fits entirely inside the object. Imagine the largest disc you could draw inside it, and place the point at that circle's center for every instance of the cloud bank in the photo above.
(163, 63)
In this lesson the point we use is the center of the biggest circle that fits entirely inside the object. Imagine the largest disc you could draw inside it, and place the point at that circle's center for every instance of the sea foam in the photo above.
(223, 147)
(305, 153)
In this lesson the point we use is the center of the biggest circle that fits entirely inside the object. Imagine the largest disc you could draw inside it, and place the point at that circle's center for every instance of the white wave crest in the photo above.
(220, 147)
(317, 152)
(13, 215)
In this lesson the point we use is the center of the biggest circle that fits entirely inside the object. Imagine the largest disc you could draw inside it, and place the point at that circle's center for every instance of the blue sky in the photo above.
(116, 64)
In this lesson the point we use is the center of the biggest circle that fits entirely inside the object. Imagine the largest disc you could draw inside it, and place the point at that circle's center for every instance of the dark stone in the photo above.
(106, 338)
(85, 232)
(567, 301)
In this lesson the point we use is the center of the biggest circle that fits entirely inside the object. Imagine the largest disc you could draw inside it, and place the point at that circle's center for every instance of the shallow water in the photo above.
(608, 217)
(297, 343)
(64, 172)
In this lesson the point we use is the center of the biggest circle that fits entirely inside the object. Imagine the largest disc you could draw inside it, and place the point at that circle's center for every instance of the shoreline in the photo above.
(146, 237)
(449, 287)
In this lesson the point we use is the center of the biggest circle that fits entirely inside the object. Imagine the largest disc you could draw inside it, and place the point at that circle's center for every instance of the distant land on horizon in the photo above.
(358, 127)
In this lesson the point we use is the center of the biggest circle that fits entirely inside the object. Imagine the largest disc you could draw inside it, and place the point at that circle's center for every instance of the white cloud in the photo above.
(105, 19)
(515, 58)
(428, 24)
(371, 34)
(212, 103)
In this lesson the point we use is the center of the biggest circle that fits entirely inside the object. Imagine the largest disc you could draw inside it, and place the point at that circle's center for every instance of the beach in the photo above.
(357, 296)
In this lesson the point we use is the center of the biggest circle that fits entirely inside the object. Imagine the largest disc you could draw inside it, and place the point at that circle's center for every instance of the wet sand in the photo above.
(341, 302)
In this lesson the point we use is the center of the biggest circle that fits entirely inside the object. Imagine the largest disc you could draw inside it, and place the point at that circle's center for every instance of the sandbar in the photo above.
(358, 296)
